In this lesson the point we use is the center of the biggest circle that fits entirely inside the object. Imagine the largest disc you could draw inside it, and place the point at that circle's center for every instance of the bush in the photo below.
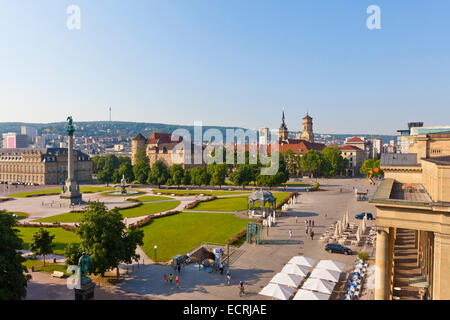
(316, 186)
(237, 238)
(285, 200)
(363, 256)
(197, 202)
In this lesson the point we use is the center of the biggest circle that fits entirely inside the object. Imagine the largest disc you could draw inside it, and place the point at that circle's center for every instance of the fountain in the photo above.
(123, 189)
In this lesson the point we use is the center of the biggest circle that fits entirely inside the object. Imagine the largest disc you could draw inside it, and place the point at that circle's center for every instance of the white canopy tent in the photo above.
(310, 295)
(277, 291)
(290, 280)
(292, 268)
(303, 261)
(325, 274)
(319, 285)
(330, 265)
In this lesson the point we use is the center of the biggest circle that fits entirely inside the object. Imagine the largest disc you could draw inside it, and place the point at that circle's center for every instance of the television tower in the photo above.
(109, 114)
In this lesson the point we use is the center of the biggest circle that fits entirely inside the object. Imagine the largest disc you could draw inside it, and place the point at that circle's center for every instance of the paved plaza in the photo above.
(253, 264)
(257, 264)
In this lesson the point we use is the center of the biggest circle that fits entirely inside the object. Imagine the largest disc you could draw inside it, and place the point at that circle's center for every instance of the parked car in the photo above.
(337, 248)
(362, 214)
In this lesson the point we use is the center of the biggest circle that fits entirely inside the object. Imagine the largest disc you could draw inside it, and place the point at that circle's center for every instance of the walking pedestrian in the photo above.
(221, 268)
(325, 216)
(177, 280)
(309, 223)
(296, 219)
(290, 234)
(228, 278)
(313, 223)
(165, 278)
(241, 288)
(312, 235)
(170, 278)
(306, 229)
(179, 269)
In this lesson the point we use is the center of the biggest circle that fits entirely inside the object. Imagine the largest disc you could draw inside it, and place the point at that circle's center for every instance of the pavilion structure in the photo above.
(260, 199)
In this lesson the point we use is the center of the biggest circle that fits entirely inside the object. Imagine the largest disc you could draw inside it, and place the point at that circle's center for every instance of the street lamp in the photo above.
(156, 247)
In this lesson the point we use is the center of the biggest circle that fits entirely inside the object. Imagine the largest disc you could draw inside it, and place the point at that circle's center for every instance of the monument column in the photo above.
(382, 265)
(71, 191)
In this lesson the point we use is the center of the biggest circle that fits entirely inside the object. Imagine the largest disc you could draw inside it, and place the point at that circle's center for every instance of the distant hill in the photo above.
(130, 129)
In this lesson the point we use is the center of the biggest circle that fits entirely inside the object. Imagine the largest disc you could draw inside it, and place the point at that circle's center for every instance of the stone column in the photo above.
(382, 265)
(70, 172)
(441, 267)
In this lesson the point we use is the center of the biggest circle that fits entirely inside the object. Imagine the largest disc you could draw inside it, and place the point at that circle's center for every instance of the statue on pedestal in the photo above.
(83, 263)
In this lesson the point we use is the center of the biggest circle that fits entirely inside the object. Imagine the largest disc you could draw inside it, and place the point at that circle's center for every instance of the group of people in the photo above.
(170, 278)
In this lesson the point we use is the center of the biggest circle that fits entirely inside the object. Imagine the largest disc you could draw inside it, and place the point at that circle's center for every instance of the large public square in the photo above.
(253, 264)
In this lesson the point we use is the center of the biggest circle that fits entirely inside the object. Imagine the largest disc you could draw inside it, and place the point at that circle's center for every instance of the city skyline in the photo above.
(225, 65)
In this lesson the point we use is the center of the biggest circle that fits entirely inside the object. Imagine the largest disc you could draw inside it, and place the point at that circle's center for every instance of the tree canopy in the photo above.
(104, 237)
(42, 243)
(13, 281)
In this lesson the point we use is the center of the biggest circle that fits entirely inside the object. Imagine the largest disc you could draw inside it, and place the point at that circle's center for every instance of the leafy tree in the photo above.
(141, 167)
(176, 172)
(371, 168)
(72, 253)
(98, 162)
(13, 281)
(199, 176)
(125, 170)
(158, 174)
(187, 178)
(311, 162)
(104, 238)
(218, 174)
(42, 243)
(333, 162)
(292, 163)
(242, 175)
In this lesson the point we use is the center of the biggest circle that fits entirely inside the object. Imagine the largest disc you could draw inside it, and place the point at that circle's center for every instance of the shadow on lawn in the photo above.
(149, 280)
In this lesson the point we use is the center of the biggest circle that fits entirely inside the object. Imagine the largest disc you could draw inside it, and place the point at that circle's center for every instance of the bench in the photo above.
(58, 274)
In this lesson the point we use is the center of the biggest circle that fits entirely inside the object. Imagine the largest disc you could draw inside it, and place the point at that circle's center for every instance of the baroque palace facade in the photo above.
(42, 166)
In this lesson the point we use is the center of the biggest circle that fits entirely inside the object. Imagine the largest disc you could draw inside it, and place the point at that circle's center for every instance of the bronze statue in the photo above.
(70, 127)
(83, 263)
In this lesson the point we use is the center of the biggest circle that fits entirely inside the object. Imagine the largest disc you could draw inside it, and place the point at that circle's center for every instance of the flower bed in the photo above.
(149, 218)
(192, 205)
(286, 200)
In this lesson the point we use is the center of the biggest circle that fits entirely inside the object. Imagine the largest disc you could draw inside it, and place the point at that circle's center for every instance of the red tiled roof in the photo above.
(162, 138)
(355, 139)
(301, 146)
(349, 148)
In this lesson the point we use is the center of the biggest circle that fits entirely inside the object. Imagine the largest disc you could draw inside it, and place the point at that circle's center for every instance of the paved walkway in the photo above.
(257, 264)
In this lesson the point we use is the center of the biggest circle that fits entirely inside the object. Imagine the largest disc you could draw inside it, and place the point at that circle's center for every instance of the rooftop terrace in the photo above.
(393, 192)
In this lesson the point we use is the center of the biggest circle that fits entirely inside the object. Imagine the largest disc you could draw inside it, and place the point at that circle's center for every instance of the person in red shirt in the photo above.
(177, 280)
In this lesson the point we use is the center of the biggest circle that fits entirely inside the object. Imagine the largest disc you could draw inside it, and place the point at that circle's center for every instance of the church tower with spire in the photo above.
(307, 129)
(283, 132)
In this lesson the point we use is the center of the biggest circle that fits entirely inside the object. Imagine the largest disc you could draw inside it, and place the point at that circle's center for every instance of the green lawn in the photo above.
(180, 233)
(148, 198)
(232, 203)
(145, 209)
(22, 215)
(205, 192)
(49, 267)
(58, 191)
(62, 237)
(149, 208)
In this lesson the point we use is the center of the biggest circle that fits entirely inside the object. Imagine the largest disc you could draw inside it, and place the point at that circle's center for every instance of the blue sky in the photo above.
(227, 62)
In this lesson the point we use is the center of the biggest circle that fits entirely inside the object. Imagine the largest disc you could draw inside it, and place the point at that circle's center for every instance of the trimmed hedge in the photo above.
(285, 200)
(197, 202)
(237, 238)
(149, 218)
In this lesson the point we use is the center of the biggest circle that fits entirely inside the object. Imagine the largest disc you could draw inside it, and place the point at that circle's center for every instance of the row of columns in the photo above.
(384, 263)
